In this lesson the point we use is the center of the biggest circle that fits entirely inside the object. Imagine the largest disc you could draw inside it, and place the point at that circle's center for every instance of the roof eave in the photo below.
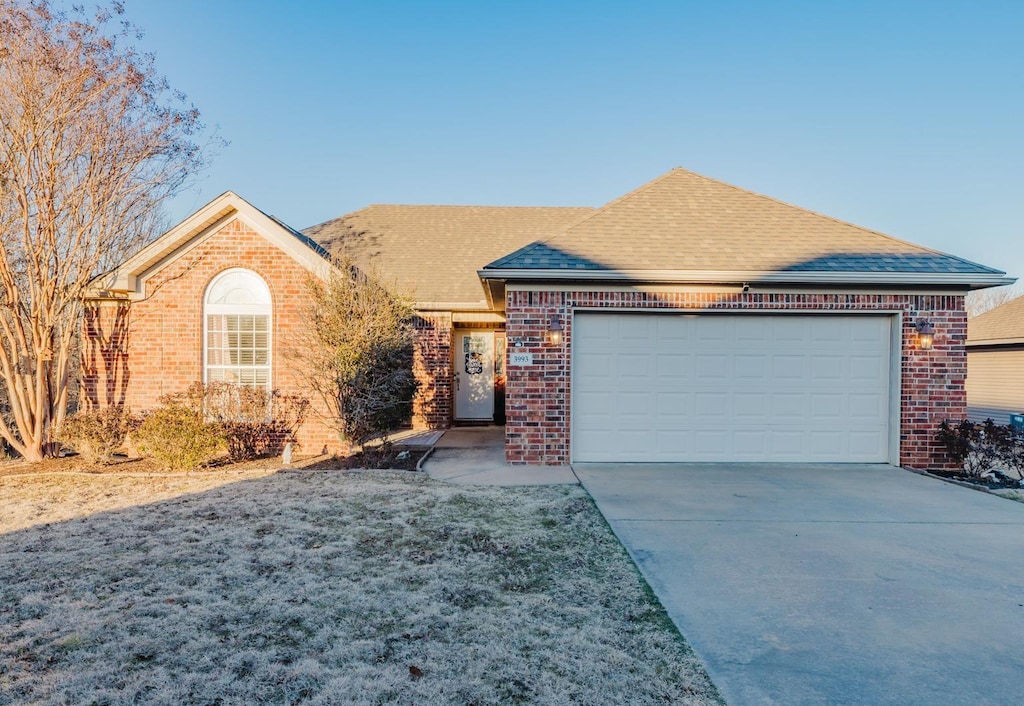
(972, 280)
(1011, 341)
(450, 306)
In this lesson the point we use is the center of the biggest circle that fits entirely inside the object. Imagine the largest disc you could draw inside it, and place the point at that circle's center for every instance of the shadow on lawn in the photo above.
(366, 588)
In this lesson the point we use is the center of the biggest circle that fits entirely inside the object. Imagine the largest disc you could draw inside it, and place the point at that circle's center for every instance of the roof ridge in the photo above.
(599, 210)
(337, 218)
(834, 219)
(468, 205)
(373, 206)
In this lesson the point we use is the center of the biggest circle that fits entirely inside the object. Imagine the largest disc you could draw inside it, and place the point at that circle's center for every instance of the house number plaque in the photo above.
(520, 359)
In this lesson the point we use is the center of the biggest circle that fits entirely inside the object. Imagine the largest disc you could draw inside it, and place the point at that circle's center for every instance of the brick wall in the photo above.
(432, 408)
(537, 397)
(134, 355)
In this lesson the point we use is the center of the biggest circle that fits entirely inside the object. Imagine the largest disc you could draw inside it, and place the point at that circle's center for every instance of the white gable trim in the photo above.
(130, 278)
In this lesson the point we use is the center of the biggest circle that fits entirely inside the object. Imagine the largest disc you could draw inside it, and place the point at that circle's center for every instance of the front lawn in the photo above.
(323, 587)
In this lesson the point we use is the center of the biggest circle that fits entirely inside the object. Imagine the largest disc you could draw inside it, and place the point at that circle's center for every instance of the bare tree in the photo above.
(983, 300)
(357, 352)
(92, 141)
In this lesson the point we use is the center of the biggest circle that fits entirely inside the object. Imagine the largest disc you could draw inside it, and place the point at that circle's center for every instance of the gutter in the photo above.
(972, 280)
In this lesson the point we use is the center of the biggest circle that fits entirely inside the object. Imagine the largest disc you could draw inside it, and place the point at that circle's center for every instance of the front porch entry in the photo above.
(479, 375)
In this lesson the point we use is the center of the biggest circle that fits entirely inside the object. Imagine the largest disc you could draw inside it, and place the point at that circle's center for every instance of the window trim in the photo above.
(260, 309)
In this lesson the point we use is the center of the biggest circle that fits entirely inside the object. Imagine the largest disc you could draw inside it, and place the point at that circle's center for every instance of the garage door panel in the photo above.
(672, 333)
(868, 368)
(866, 405)
(673, 365)
(712, 367)
(788, 367)
(633, 404)
(863, 330)
(751, 366)
(673, 404)
(828, 367)
(829, 405)
(713, 405)
(750, 443)
(636, 332)
(594, 365)
(786, 444)
(711, 331)
(635, 441)
(632, 365)
(671, 443)
(788, 405)
(751, 405)
(752, 332)
(828, 330)
(730, 387)
(710, 441)
(824, 443)
(789, 329)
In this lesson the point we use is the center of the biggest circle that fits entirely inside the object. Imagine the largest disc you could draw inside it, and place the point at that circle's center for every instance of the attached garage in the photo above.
(691, 320)
(723, 387)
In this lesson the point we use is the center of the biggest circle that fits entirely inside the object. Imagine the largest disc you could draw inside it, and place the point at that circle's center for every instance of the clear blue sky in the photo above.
(906, 117)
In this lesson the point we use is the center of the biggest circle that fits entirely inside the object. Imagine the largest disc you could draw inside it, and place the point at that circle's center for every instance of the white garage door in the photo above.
(727, 387)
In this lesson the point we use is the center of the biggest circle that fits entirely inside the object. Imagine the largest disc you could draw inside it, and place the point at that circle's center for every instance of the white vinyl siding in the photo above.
(730, 387)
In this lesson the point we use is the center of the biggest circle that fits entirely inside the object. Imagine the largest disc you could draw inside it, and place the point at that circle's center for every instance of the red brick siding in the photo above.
(136, 356)
(432, 408)
(537, 398)
(105, 354)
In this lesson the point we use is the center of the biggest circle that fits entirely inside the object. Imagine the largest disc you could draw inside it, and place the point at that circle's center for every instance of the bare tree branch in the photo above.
(985, 299)
(92, 141)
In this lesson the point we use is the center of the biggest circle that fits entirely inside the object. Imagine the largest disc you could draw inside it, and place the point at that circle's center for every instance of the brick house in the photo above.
(688, 320)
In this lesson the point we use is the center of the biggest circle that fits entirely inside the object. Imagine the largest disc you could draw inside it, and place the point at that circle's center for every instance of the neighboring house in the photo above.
(689, 320)
(995, 363)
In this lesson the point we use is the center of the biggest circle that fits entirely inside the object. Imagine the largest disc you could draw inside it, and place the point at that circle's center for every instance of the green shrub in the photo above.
(97, 434)
(178, 438)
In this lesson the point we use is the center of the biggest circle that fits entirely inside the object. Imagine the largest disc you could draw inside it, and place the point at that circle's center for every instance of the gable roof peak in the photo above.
(683, 224)
(130, 276)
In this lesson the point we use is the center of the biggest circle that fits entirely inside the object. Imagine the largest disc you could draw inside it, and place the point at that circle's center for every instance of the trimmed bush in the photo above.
(255, 422)
(178, 438)
(247, 422)
(96, 434)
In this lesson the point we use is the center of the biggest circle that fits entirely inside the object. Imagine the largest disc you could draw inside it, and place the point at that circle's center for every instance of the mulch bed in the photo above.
(990, 482)
(398, 459)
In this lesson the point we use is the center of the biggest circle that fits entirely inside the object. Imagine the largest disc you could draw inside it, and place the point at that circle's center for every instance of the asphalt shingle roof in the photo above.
(1005, 322)
(434, 252)
(683, 221)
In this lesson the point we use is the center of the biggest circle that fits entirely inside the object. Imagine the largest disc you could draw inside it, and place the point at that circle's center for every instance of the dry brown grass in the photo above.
(323, 588)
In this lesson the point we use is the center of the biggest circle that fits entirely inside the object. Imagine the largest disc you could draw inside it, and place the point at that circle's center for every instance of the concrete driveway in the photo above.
(829, 584)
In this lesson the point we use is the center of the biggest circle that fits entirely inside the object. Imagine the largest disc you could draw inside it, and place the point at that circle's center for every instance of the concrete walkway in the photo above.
(829, 584)
(476, 455)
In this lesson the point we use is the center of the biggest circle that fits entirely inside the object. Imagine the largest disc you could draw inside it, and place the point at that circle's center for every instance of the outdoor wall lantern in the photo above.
(925, 334)
(555, 330)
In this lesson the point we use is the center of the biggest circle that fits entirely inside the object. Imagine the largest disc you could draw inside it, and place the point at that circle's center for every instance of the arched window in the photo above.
(237, 308)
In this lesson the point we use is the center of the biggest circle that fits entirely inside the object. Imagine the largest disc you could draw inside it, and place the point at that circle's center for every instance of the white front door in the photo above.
(474, 375)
